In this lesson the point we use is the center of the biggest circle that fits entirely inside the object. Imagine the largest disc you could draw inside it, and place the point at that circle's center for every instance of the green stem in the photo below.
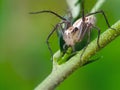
(61, 72)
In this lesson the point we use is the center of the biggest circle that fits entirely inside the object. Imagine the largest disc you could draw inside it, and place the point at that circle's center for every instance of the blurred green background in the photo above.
(25, 58)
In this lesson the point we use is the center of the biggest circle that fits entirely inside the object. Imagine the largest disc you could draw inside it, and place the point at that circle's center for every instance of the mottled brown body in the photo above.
(77, 31)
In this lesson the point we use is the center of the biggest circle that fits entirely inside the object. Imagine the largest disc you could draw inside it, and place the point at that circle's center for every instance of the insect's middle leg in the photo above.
(88, 41)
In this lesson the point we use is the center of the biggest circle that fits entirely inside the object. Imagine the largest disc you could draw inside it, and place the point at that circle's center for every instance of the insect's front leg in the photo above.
(62, 29)
(50, 34)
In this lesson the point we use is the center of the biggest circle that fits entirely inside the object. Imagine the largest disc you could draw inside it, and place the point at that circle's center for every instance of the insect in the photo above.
(72, 33)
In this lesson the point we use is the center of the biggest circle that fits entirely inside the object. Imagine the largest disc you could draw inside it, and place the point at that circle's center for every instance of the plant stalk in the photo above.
(61, 72)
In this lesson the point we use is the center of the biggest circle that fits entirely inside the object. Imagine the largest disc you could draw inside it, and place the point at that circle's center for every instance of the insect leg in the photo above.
(59, 25)
(47, 40)
(83, 30)
(101, 12)
(88, 41)
(98, 35)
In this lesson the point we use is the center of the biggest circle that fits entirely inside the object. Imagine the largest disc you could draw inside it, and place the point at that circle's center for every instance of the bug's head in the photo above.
(70, 36)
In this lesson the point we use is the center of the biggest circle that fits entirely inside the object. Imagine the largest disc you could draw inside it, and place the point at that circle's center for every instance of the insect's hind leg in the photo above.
(101, 12)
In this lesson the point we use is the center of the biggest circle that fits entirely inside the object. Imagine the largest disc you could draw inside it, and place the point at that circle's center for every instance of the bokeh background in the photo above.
(25, 58)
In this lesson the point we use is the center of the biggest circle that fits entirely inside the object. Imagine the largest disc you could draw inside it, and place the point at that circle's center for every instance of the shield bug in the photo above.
(70, 33)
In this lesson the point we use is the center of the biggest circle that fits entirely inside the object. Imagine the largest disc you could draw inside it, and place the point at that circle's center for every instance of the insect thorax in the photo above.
(76, 32)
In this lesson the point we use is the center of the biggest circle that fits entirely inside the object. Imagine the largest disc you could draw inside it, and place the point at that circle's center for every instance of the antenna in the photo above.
(82, 9)
(48, 11)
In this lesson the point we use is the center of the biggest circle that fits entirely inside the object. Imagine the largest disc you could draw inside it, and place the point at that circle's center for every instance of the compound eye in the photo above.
(75, 29)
